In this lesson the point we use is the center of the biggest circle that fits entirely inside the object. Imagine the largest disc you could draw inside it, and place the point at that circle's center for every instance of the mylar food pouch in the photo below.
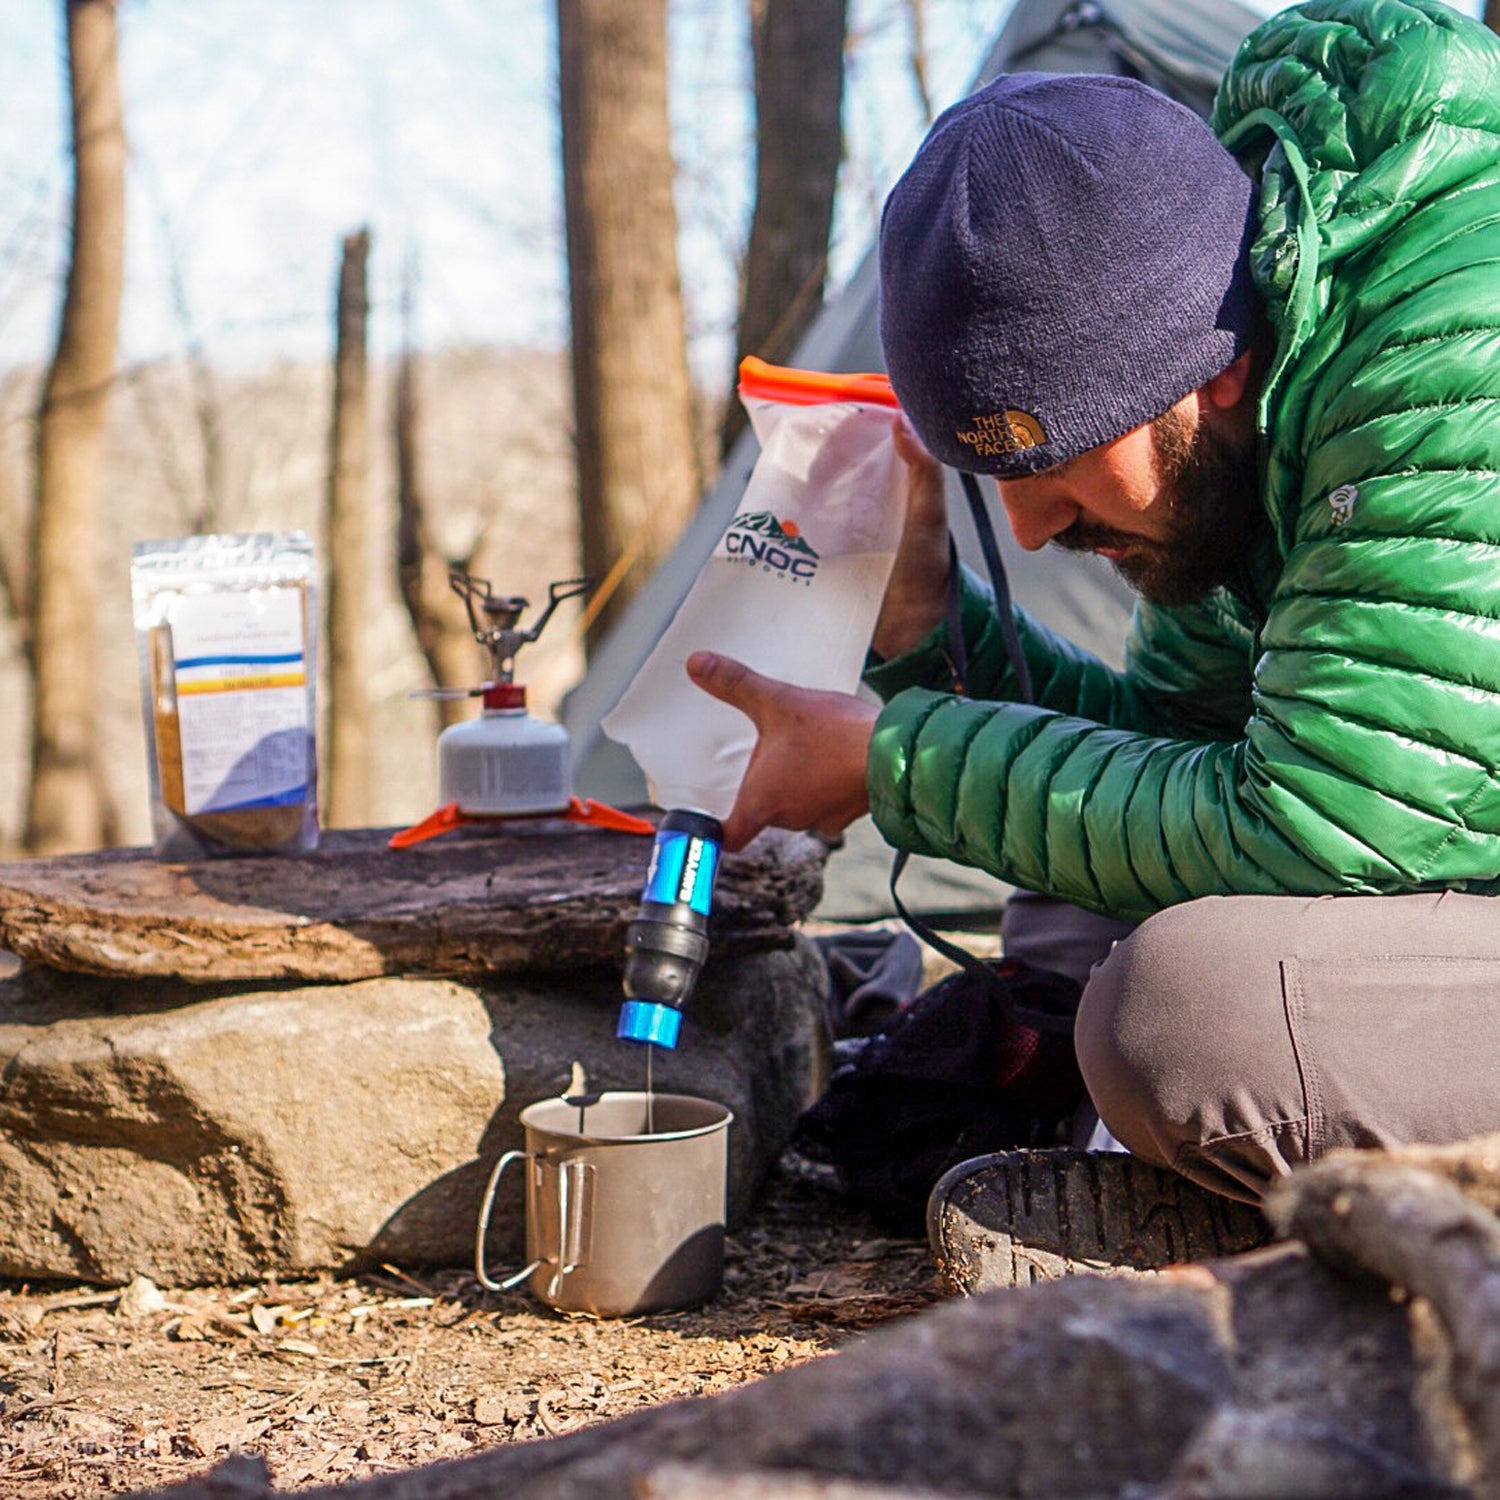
(226, 639)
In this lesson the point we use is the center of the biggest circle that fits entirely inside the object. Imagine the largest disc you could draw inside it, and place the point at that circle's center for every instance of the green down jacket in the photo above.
(1334, 726)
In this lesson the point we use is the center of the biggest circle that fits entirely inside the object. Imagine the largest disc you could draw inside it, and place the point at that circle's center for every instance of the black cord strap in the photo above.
(1004, 610)
(958, 657)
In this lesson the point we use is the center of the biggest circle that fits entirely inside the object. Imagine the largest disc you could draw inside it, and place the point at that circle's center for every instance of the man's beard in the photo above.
(1211, 491)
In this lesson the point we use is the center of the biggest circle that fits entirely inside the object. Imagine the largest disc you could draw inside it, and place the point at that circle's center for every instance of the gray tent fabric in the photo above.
(1178, 46)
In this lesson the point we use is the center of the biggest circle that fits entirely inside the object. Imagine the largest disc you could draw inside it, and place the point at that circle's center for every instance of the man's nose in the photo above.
(1035, 516)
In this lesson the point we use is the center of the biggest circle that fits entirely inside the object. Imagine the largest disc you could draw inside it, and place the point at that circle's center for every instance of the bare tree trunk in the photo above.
(348, 719)
(68, 805)
(799, 87)
(638, 478)
(437, 614)
(916, 15)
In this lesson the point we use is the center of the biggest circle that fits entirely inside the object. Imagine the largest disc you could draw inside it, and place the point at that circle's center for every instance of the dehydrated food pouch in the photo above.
(226, 638)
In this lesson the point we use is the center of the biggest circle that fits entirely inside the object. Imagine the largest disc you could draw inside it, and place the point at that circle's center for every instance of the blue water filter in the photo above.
(667, 942)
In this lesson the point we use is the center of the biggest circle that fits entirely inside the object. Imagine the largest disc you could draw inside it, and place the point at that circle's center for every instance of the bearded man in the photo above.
(1257, 367)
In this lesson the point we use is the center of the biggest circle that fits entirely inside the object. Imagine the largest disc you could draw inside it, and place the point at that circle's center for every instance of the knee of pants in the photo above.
(1180, 1036)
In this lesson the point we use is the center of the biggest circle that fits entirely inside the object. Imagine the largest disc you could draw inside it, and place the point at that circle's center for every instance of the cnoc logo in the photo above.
(758, 539)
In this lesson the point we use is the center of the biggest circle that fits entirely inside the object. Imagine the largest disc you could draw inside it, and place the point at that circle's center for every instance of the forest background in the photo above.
(259, 135)
(412, 155)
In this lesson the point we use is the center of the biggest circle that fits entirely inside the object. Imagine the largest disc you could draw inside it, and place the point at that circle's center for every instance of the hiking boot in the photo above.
(1019, 1217)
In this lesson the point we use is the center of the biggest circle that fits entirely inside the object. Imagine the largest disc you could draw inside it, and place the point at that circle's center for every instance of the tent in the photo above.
(1178, 46)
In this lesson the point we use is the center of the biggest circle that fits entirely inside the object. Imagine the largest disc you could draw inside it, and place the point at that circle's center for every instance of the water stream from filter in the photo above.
(650, 1092)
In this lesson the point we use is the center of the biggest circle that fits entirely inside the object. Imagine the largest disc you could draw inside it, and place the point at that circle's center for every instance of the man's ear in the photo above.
(1227, 389)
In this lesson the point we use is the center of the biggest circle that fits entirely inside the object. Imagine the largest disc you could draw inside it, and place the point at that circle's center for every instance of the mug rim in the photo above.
(532, 1118)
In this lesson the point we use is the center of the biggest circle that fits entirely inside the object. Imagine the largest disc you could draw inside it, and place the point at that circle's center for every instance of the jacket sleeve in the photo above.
(996, 784)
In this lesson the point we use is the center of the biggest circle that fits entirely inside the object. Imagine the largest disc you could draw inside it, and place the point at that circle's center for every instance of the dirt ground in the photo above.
(104, 1392)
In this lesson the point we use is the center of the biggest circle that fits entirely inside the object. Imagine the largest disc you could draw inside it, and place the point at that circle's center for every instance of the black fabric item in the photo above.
(955, 1075)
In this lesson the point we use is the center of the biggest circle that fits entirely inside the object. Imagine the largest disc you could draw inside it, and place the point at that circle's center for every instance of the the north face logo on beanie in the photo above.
(1001, 432)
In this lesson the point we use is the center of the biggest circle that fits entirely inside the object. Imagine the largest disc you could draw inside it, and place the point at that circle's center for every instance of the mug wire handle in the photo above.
(485, 1206)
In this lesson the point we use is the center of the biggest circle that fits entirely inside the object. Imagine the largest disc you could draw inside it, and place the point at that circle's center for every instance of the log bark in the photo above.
(1472, 1166)
(703, 1482)
(1389, 1219)
(543, 897)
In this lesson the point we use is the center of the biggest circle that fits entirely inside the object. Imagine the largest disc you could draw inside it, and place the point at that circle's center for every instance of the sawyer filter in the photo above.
(667, 942)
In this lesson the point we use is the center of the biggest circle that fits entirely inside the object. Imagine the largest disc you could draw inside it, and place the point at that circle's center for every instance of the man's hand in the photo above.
(808, 766)
(916, 598)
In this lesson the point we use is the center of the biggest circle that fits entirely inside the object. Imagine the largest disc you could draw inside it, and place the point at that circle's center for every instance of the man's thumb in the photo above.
(723, 677)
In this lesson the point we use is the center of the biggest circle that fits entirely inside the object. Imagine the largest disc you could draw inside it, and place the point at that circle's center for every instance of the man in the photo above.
(1261, 375)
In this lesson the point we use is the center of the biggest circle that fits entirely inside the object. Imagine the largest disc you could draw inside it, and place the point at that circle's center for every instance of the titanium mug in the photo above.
(625, 1202)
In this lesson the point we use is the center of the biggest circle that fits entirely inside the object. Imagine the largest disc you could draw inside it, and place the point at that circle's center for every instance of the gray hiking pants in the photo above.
(1234, 1037)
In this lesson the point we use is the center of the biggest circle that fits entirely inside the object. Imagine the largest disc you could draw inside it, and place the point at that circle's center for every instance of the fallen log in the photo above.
(1084, 1387)
(1379, 1215)
(1302, 1371)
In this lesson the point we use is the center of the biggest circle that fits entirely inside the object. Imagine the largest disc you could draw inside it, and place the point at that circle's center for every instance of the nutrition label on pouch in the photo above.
(240, 673)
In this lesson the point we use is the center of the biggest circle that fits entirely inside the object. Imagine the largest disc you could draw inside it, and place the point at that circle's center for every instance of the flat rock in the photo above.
(194, 1133)
(529, 897)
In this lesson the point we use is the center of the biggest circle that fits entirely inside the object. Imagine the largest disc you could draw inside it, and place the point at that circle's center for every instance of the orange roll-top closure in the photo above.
(812, 387)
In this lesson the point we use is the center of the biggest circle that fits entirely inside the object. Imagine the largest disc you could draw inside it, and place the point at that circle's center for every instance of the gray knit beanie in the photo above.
(1065, 258)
